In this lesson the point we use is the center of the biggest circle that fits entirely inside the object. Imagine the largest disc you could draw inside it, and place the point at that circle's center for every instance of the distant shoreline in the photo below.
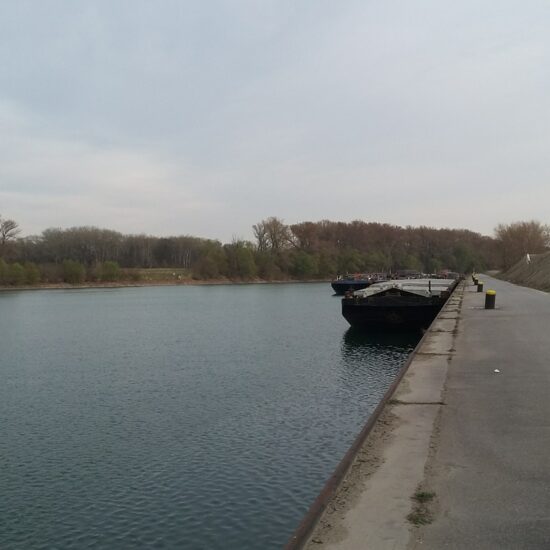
(121, 284)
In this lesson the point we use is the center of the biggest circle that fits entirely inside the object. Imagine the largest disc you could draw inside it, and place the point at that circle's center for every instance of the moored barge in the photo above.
(406, 303)
(355, 281)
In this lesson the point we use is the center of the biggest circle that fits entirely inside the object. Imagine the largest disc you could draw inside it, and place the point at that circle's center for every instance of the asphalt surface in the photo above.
(490, 469)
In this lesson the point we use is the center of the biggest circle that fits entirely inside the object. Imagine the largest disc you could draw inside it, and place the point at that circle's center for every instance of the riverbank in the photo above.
(130, 284)
(533, 271)
(458, 456)
(367, 507)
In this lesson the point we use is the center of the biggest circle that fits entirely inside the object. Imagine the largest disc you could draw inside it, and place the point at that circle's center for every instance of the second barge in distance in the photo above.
(405, 303)
(355, 281)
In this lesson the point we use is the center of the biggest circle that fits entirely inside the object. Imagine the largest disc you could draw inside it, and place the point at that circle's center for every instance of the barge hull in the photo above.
(372, 317)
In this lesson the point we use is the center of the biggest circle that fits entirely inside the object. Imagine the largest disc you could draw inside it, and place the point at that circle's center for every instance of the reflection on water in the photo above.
(356, 339)
(370, 360)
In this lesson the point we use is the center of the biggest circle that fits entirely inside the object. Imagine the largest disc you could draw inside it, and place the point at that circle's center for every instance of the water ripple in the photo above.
(182, 418)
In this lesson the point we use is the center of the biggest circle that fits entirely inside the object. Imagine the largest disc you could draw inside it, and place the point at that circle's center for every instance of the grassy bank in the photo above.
(532, 270)
(153, 277)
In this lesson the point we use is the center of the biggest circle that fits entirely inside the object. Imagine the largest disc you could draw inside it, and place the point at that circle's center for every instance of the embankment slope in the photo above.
(532, 271)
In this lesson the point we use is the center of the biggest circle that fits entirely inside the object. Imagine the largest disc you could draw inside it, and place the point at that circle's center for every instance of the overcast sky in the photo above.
(204, 117)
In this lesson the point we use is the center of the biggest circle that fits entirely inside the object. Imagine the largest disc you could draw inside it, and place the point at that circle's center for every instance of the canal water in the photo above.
(204, 417)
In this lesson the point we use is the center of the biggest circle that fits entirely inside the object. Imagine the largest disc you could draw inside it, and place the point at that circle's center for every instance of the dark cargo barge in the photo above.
(409, 303)
(357, 281)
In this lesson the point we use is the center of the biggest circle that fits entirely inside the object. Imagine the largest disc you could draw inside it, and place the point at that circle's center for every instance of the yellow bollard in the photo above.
(480, 286)
(490, 299)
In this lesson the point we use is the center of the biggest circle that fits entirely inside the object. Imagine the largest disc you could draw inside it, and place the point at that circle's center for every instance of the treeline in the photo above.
(308, 250)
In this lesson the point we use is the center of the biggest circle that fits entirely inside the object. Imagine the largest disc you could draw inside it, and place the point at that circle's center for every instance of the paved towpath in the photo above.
(490, 470)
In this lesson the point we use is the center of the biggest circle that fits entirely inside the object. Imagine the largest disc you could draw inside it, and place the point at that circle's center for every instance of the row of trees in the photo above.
(69, 271)
(306, 250)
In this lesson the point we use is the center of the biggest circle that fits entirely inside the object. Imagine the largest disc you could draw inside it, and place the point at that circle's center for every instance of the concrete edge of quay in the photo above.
(386, 462)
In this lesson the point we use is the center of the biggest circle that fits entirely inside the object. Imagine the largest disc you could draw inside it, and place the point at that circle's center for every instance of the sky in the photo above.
(204, 117)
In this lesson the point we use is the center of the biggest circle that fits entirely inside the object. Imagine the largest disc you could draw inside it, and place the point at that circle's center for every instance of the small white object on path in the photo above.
(496, 370)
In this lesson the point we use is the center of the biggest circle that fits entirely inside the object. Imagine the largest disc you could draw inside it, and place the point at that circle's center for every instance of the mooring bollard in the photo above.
(490, 299)
(480, 286)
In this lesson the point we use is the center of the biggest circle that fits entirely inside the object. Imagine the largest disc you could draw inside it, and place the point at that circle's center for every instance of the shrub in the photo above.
(304, 265)
(32, 273)
(51, 273)
(15, 274)
(73, 272)
(3, 272)
(110, 271)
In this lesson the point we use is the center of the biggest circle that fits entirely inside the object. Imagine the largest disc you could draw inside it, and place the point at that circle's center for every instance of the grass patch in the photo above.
(420, 517)
(420, 514)
(423, 496)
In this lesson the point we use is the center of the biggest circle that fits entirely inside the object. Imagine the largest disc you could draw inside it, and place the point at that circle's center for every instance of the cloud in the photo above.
(47, 181)
(204, 118)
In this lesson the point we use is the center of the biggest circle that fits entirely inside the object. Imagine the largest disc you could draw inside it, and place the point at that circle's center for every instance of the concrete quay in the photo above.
(459, 456)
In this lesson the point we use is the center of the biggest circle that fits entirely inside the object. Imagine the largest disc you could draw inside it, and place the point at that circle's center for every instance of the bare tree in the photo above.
(273, 234)
(520, 238)
(260, 232)
(9, 229)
